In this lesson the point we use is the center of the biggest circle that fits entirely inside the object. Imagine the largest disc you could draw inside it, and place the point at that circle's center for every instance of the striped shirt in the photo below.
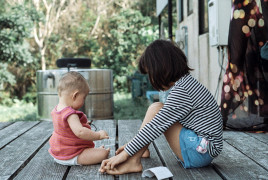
(192, 105)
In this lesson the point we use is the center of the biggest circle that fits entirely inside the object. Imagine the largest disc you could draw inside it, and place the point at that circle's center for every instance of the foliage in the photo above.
(2, 5)
(112, 33)
(127, 108)
(17, 63)
(14, 28)
(127, 35)
(19, 111)
(73, 36)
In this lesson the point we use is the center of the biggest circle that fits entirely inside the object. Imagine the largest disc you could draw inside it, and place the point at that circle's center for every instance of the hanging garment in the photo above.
(244, 99)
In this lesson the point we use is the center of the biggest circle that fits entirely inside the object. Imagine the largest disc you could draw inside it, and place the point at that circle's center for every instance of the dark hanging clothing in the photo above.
(244, 99)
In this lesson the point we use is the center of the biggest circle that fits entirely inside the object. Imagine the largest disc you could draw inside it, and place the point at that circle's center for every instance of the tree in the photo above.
(125, 36)
(111, 33)
(15, 57)
(52, 10)
(76, 32)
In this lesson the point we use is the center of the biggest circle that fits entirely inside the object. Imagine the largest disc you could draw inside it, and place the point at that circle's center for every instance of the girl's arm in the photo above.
(83, 132)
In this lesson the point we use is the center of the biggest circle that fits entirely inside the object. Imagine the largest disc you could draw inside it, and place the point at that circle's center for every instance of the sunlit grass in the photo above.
(127, 108)
(19, 111)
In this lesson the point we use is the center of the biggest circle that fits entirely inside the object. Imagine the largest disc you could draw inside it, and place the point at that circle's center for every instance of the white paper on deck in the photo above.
(160, 172)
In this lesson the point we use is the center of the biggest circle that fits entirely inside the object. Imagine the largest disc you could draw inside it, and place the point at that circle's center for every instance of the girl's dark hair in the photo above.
(164, 62)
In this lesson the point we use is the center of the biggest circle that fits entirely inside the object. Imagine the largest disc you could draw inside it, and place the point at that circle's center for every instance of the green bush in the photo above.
(19, 111)
(127, 108)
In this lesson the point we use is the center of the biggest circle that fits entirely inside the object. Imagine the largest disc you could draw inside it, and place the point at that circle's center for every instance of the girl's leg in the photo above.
(150, 114)
(133, 164)
(93, 156)
(173, 138)
(172, 134)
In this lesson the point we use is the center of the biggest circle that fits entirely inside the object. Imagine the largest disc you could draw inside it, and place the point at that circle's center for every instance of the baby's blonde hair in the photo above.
(72, 81)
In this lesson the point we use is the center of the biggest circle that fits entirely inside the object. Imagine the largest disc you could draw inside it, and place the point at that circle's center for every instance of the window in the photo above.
(203, 16)
(190, 7)
(180, 10)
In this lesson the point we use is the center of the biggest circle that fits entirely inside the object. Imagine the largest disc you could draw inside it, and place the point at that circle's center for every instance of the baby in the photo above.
(72, 140)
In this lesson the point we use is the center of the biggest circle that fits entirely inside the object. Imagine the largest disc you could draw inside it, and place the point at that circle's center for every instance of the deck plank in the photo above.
(92, 171)
(17, 154)
(248, 145)
(15, 130)
(232, 164)
(176, 167)
(4, 124)
(42, 166)
(127, 129)
(263, 137)
(24, 154)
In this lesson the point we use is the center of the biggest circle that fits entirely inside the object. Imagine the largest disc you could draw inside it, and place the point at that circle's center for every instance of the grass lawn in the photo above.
(127, 108)
(19, 111)
(124, 108)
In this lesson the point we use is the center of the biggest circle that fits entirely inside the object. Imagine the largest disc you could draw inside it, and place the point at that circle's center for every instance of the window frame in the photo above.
(190, 8)
(180, 10)
(203, 16)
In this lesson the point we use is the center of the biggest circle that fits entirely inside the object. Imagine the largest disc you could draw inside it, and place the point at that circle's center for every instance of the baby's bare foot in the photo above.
(130, 166)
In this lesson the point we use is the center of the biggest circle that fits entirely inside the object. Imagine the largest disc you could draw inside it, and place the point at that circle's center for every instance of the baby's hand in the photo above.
(103, 134)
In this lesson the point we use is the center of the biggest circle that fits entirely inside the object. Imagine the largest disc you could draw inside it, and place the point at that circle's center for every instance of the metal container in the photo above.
(99, 102)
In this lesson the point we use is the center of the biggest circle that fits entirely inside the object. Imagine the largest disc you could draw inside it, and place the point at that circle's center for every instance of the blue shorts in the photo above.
(189, 141)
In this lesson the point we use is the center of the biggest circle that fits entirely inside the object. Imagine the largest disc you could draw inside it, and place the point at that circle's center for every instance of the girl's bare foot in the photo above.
(102, 147)
(146, 154)
(129, 166)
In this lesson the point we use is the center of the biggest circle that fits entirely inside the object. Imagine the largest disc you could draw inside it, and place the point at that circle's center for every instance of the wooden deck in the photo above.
(24, 154)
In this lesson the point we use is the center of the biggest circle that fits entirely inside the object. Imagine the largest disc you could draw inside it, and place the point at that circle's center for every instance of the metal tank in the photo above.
(99, 102)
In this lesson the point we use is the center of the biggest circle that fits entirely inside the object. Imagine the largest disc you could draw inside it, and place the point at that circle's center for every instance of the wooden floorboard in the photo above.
(4, 124)
(263, 137)
(176, 167)
(24, 154)
(248, 145)
(127, 129)
(17, 153)
(232, 164)
(92, 172)
(14, 130)
(42, 166)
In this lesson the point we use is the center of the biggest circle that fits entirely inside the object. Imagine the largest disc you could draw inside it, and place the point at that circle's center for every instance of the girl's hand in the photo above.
(109, 164)
(103, 134)
(119, 150)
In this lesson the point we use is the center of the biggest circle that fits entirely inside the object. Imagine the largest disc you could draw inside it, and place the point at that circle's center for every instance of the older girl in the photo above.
(190, 118)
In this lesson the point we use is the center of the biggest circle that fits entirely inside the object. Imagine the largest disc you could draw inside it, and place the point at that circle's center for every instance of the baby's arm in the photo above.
(83, 132)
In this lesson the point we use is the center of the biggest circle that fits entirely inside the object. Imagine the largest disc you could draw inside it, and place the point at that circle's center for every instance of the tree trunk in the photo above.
(43, 60)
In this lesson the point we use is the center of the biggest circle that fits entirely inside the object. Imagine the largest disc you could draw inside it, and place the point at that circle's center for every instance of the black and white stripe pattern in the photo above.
(191, 104)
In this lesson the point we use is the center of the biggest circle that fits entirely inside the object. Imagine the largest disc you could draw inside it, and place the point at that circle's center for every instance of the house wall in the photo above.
(201, 56)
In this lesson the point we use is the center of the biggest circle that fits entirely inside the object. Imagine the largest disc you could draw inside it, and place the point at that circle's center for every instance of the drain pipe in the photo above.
(170, 20)
(185, 28)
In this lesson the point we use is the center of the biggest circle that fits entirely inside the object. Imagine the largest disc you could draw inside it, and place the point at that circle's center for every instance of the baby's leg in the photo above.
(93, 156)
(150, 114)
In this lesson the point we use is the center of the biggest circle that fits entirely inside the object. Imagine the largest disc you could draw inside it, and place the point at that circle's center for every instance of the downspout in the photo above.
(159, 25)
(170, 19)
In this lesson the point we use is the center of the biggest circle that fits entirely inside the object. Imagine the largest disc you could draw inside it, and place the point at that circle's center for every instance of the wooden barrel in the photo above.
(99, 102)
